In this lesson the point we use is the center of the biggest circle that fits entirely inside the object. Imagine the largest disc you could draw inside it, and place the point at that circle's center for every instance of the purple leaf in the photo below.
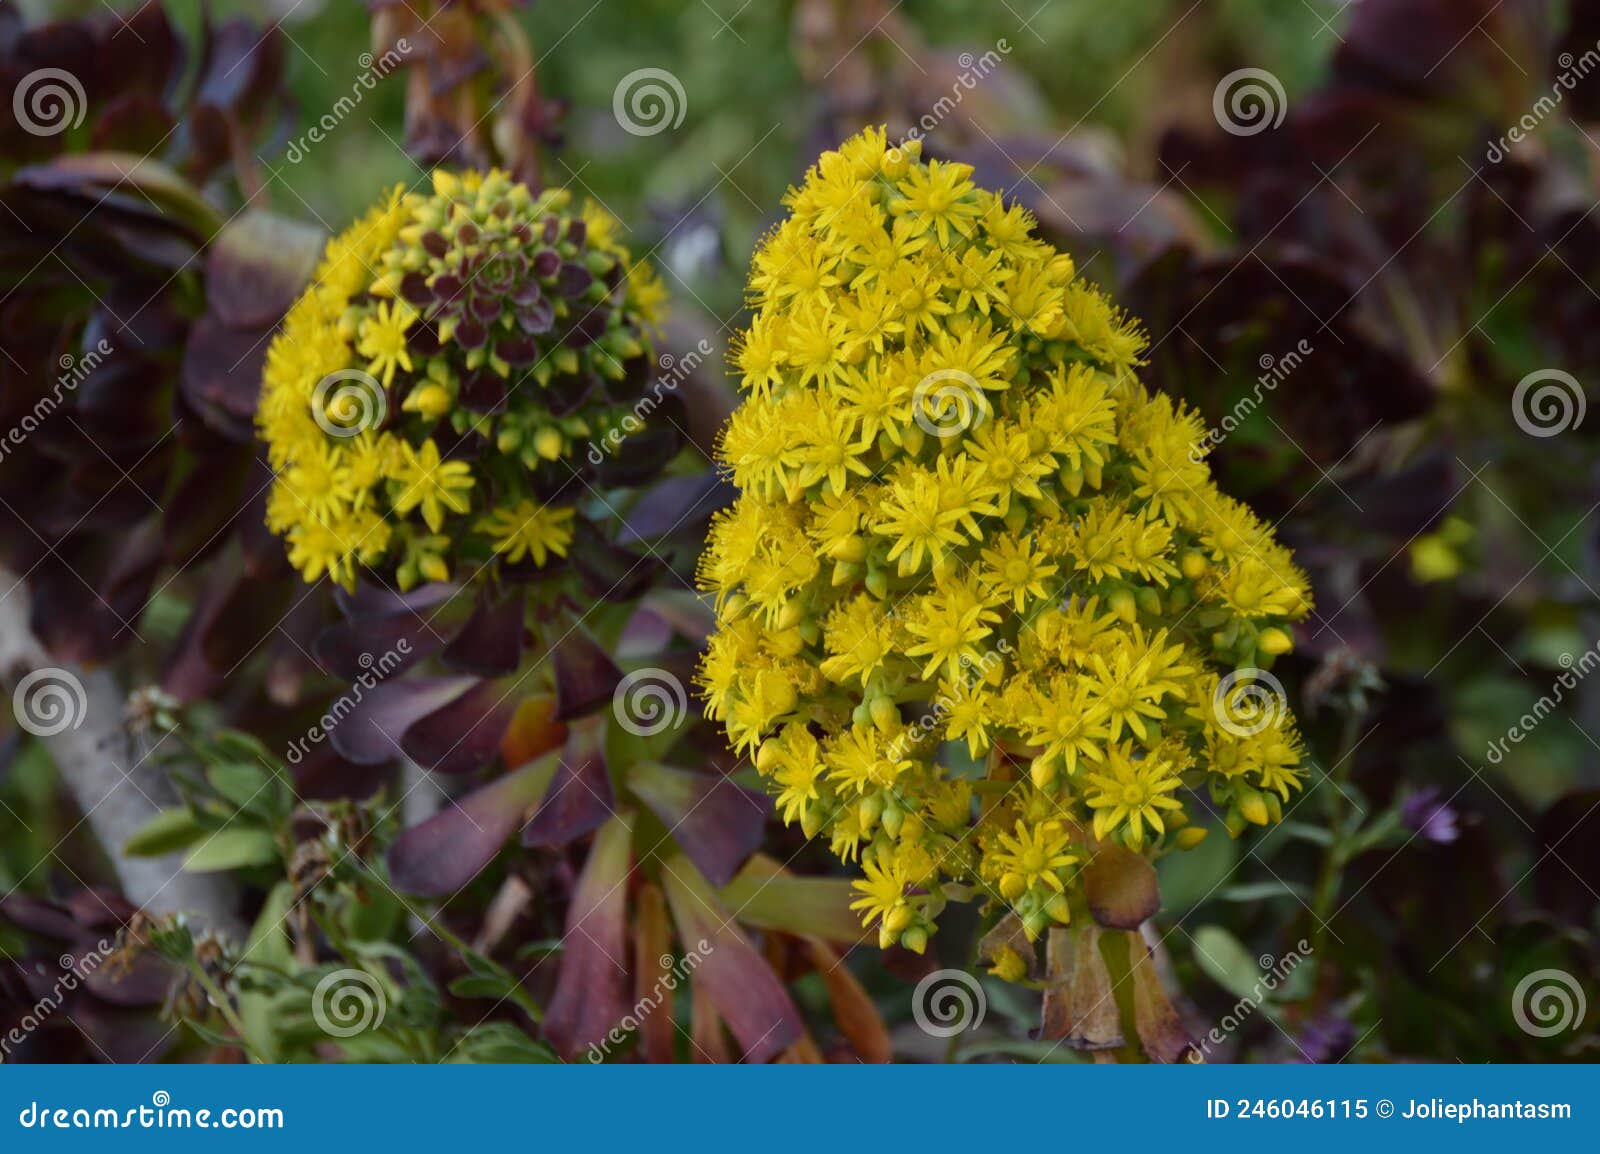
(747, 994)
(591, 995)
(446, 852)
(715, 821)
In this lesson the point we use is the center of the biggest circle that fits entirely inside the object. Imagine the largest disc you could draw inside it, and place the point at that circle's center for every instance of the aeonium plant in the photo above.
(443, 411)
(984, 620)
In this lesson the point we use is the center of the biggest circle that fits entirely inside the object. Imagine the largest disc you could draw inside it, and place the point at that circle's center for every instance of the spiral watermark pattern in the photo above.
(948, 402)
(1248, 701)
(348, 1002)
(648, 101)
(49, 101)
(1548, 403)
(348, 402)
(1548, 1002)
(49, 701)
(1249, 101)
(948, 1002)
(649, 701)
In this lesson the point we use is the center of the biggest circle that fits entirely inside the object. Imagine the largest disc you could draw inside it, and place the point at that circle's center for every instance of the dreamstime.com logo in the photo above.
(49, 701)
(1548, 403)
(648, 101)
(160, 1114)
(948, 402)
(649, 701)
(348, 1002)
(1547, 1003)
(49, 101)
(674, 975)
(1248, 701)
(75, 970)
(1249, 101)
(948, 1002)
(348, 402)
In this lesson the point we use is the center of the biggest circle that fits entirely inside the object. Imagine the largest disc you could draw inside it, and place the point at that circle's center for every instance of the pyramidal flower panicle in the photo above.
(426, 404)
(981, 609)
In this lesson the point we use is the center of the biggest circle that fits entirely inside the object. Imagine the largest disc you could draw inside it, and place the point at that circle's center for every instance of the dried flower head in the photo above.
(422, 404)
(979, 593)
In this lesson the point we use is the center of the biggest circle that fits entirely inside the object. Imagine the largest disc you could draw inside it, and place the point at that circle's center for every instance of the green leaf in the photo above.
(233, 849)
(167, 832)
(503, 1043)
(239, 782)
(1224, 959)
(1263, 891)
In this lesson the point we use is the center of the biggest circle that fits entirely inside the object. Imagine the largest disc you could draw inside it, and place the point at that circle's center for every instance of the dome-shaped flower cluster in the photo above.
(981, 608)
(425, 398)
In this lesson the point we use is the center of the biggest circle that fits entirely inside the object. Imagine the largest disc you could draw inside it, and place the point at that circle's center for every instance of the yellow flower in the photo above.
(977, 591)
(529, 529)
(436, 487)
(387, 355)
(382, 339)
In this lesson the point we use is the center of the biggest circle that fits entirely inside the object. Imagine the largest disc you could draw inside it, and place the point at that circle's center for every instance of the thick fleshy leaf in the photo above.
(378, 601)
(738, 981)
(1080, 1004)
(653, 979)
(769, 897)
(716, 822)
(1160, 1029)
(465, 734)
(490, 643)
(675, 504)
(533, 731)
(394, 643)
(610, 573)
(372, 731)
(257, 265)
(586, 677)
(1121, 888)
(445, 852)
(591, 995)
(580, 797)
(857, 1018)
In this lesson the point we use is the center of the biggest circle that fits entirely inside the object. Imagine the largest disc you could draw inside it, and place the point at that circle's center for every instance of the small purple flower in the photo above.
(1429, 817)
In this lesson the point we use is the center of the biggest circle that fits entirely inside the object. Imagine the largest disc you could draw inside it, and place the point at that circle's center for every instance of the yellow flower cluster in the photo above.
(978, 594)
(423, 402)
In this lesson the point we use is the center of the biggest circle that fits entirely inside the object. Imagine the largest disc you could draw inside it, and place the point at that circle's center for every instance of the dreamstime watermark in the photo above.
(649, 101)
(1274, 371)
(1547, 1003)
(1548, 402)
(49, 701)
(1573, 71)
(948, 402)
(74, 371)
(649, 701)
(660, 992)
(1574, 670)
(973, 70)
(1248, 701)
(674, 371)
(374, 71)
(48, 102)
(1249, 101)
(948, 1002)
(973, 671)
(77, 969)
(160, 1114)
(348, 402)
(348, 1002)
(1275, 972)
(373, 671)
